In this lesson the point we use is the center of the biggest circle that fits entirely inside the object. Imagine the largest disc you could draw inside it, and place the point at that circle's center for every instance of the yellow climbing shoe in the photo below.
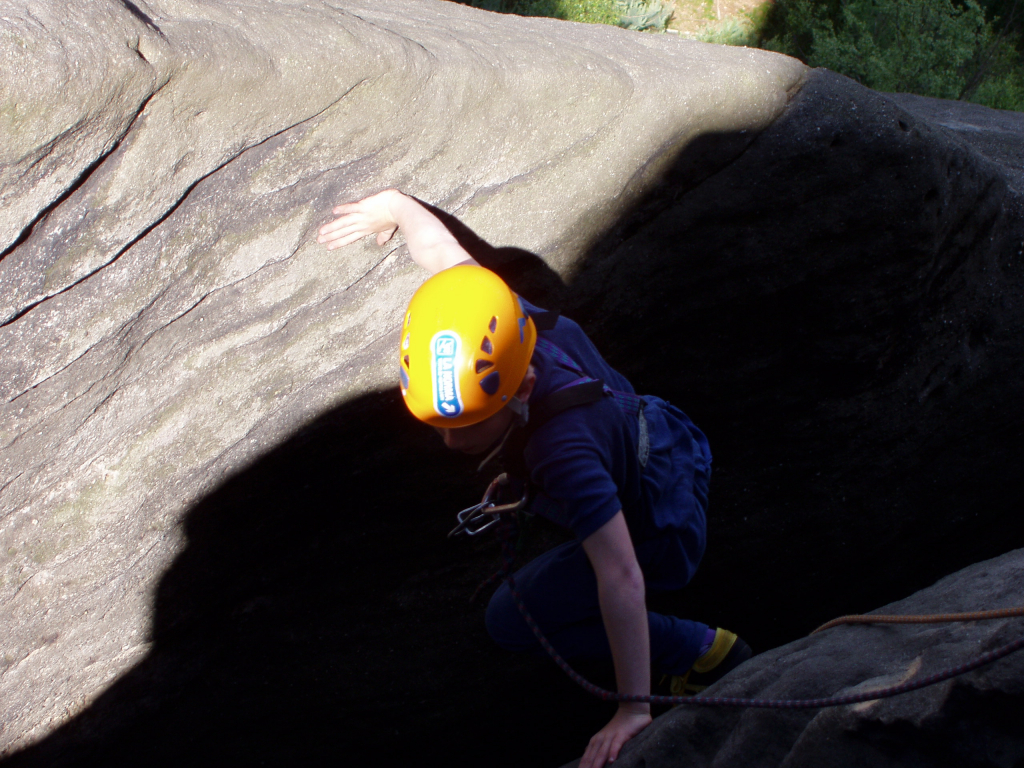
(725, 654)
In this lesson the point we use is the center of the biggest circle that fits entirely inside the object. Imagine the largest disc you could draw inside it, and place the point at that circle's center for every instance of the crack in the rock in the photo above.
(370, 271)
(144, 18)
(52, 375)
(42, 215)
(103, 401)
(390, 32)
(78, 397)
(30, 427)
(67, 365)
(4, 487)
(142, 555)
(21, 587)
(128, 353)
(146, 232)
(75, 185)
(174, 206)
(121, 330)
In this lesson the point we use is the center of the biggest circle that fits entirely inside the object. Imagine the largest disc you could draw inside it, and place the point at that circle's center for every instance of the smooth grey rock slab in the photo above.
(973, 719)
(165, 315)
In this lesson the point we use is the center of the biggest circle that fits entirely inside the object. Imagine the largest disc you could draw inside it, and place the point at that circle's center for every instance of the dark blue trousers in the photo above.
(559, 589)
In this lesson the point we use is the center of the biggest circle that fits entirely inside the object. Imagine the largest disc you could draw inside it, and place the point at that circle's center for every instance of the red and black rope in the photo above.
(508, 549)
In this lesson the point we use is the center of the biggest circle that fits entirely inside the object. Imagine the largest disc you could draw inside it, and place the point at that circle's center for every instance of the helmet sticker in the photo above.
(444, 352)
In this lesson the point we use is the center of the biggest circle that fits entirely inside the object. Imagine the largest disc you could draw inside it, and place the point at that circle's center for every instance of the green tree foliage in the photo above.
(931, 47)
(951, 49)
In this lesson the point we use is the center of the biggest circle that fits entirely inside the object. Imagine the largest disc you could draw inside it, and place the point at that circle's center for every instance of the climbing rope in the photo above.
(506, 535)
(931, 618)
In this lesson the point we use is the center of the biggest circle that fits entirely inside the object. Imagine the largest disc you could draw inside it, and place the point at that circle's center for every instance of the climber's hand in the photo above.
(369, 216)
(604, 746)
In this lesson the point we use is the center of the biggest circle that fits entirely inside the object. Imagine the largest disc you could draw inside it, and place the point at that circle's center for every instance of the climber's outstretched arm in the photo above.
(430, 243)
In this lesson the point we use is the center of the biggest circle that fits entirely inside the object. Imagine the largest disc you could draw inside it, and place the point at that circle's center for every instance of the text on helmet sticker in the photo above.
(444, 353)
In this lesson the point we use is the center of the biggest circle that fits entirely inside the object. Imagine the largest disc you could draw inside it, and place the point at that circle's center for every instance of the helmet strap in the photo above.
(521, 413)
(520, 409)
(497, 447)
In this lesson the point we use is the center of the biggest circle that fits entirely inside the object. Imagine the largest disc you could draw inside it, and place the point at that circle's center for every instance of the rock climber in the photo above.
(628, 476)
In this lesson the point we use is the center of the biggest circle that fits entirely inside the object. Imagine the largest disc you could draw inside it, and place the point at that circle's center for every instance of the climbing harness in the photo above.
(629, 403)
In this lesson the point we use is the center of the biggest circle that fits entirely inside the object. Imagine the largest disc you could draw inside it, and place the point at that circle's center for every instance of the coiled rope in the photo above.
(506, 536)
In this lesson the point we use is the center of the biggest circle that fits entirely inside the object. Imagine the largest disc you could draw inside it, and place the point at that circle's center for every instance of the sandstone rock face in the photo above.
(973, 719)
(215, 523)
(996, 134)
(165, 316)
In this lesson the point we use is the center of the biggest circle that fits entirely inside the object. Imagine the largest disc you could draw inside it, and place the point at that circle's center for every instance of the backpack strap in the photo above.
(629, 403)
(580, 392)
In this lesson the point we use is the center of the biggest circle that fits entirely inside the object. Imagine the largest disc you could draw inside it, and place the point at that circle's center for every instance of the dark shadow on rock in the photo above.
(838, 308)
(526, 273)
(319, 614)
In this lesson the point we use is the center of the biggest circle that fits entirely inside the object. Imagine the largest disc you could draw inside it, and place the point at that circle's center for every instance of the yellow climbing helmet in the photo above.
(466, 346)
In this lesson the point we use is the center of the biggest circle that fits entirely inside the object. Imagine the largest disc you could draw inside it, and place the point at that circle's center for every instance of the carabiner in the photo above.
(471, 519)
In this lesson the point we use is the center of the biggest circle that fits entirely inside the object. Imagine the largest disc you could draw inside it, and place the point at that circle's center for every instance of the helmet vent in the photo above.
(482, 365)
(490, 383)
(486, 346)
(406, 361)
(493, 325)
